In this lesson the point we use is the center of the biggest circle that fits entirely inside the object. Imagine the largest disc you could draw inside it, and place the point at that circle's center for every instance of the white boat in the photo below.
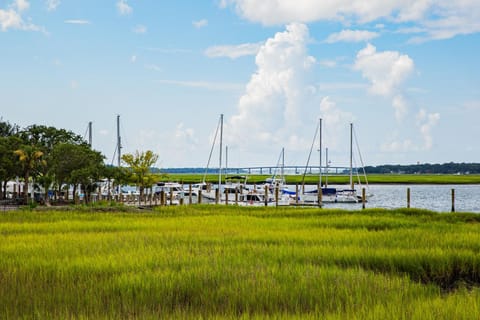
(329, 194)
(173, 191)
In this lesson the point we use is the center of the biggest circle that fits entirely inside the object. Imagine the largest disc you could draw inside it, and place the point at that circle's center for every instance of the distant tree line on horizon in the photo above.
(427, 168)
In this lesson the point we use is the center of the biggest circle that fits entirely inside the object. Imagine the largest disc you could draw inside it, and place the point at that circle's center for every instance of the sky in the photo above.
(405, 72)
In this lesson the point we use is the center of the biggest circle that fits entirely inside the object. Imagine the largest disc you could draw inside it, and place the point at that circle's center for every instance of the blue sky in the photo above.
(405, 72)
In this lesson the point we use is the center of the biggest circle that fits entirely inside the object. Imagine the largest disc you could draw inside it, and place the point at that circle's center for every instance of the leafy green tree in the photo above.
(7, 129)
(30, 159)
(45, 139)
(9, 165)
(77, 164)
(139, 166)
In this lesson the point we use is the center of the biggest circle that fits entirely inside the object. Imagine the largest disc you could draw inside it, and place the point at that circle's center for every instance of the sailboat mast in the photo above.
(90, 133)
(119, 141)
(351, 156)
(283, 165)
(326, 166)
(320, 151)
(220, 161)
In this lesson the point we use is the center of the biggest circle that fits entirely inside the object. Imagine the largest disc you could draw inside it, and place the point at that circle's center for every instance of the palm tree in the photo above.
(30, 159)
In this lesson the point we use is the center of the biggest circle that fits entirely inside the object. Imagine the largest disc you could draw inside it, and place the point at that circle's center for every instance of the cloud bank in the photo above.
(438, 19)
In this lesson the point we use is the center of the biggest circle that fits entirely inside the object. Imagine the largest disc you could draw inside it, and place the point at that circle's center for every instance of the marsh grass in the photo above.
(230, 262)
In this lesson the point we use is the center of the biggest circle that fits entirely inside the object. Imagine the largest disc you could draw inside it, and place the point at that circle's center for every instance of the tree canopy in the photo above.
(140, 164)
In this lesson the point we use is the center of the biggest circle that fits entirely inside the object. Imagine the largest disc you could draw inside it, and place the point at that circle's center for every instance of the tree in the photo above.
(46, 139)
(30, 159)
(7, 129)
(140, 164)
(9, 165)
(77, 164)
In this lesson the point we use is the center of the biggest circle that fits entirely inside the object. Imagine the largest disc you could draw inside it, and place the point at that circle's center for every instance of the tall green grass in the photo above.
(230, 262)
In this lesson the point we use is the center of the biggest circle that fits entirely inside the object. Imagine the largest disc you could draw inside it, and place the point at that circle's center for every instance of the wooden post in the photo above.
(266, 195)
(190, 193)
(171, 196)
(363, 198)
(276, 196)
(161, 198)
(217, 195)
(181, 201)
(226, 197)
(408, 198)
(296, 193)
(319, 195)
(236, 195)
(199, 199)
(453, 200)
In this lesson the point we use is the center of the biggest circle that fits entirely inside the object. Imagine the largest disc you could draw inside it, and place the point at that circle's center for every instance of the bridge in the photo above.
(288, 170)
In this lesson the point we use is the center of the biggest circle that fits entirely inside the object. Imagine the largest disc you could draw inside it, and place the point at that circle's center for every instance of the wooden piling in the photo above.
(296, 194)
(319, 195)
(453, 200)
(266, 195)
(199, 199)
(217, 195)
(276, 196)
(190, 194)
(363, 198)
(408, 198)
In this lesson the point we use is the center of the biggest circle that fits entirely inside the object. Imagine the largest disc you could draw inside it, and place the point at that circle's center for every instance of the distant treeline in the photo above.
(427, 168)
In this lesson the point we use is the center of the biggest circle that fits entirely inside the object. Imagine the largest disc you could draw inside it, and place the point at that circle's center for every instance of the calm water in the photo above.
(431, 197)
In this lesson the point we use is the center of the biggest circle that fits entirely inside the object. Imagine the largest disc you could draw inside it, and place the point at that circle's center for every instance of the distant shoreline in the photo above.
(413, 179)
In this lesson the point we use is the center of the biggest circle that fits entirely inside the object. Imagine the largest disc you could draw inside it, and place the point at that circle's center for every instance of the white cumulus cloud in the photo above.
(352, 36)
(271, 108)
(426, 122)
(21, 5)
(233, 51)
(385, 70)
(11, 18)
(123, 7)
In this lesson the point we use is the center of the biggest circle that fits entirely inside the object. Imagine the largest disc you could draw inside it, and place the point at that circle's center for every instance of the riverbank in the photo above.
(231, 262)
(338, 179)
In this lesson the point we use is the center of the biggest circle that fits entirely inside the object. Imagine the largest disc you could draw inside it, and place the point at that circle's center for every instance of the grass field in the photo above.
(229, 262)
(342, 179)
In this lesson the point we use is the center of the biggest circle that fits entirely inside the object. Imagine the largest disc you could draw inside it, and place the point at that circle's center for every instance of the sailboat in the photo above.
(329, 194)
(223, 194)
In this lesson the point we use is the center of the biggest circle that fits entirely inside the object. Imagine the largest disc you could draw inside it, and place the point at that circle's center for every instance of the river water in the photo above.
(431, 197)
